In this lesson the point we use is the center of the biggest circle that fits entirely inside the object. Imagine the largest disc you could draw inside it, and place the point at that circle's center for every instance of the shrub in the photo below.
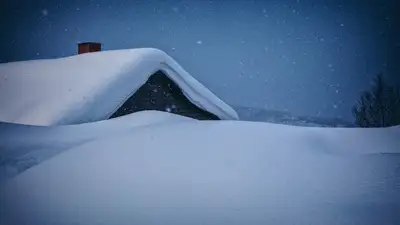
(378, 107)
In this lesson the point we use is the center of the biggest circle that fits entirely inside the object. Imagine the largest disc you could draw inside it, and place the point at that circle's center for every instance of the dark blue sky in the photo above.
(307, 57)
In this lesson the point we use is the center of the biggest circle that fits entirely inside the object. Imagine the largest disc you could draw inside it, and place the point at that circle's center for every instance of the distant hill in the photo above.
(274, 116)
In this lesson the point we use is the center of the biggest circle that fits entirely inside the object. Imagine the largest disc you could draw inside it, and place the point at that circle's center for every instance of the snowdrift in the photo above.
(24, 146)
(215, 172)
(90, 87)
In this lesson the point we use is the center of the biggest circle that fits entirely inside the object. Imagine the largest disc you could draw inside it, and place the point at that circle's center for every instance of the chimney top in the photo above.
(86, 47)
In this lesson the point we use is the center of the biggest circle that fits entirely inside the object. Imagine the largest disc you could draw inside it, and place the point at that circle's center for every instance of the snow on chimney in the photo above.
(86, 47)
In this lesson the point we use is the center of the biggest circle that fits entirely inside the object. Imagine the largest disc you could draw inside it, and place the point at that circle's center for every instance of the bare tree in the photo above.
(378, 107)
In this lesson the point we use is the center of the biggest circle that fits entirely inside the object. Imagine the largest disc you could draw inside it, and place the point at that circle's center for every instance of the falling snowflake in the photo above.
(199, 42)
(330, 65)
(45, 12)
(334, 106)
(168, 109)
(175, 9)
(78, 9)
(155, 90)
(337, 91)
(342, 25)
(173, 106)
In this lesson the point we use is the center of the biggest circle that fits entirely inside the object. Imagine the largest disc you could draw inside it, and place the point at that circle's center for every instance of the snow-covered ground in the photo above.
(282, 117)
(182, 171)
(24, 146)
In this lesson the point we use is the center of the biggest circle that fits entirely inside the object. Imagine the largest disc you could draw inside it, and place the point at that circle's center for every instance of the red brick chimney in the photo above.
(86, 47)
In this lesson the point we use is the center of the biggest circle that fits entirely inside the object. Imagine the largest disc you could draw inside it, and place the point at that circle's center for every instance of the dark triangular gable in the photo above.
(162, 94)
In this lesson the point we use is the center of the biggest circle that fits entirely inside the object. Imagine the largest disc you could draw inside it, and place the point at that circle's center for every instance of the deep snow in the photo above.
(183, 171)
(24, 146)
(91, 87)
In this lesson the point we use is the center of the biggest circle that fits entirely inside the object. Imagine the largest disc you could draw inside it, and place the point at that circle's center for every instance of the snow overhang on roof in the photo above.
(90, 87)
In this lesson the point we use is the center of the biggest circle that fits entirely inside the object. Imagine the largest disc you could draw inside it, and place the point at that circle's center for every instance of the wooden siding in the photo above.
(162, 94)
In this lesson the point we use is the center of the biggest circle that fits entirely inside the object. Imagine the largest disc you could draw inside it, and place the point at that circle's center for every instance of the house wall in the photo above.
(162, 94)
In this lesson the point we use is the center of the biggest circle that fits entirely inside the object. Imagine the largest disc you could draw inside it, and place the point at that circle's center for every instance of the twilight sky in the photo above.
(309, 57)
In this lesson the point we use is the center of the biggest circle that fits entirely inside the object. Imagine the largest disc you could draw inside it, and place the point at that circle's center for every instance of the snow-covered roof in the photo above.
(91, 87)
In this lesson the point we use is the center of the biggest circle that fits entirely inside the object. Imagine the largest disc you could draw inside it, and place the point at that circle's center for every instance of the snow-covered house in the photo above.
(102, 85)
